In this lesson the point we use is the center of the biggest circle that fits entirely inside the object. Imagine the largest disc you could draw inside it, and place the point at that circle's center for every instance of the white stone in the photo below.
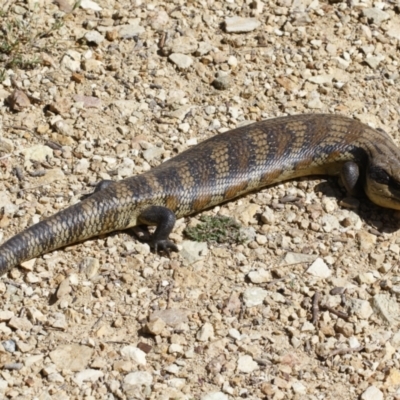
(372, 393)
(175, 348)
(73, 357)
(239, 24)
(387, 308)
(299, 388)
(319, 269)
(396, 340)
(268, 216)
(374, 61)
(246, 364)
(82, 166)
(89, 5)
(260, 276)
(177, 383)
(70, 63)
(4, 386)
(329, 222)
(153, 153)
(94, 36)
(298, 258)
(307, 327)
(354, 343)
(376, 15)
(203, 48)
(91, 375)
(315, 102)
(6, 315)
(134, 354)
(215, 396)
(394, 30)
(131, 30)
(342, 63)
(182, 61)
(184, 45)
(193, 251)
(33, 360)
(234, 334)
(138, 378)
(321, 79)
(205, 333)
(173, 369)
(361, 308)
(254, 296)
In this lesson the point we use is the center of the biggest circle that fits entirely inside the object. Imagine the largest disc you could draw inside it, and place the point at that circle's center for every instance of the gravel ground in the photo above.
(112, 89)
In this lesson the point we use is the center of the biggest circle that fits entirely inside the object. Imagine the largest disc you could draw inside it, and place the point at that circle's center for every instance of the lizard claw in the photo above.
(164, 246)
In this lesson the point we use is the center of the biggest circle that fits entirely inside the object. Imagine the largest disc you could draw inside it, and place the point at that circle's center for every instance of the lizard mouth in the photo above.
(383, 195)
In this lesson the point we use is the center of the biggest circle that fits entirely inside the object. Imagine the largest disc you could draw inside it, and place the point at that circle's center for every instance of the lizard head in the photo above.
(382, 183)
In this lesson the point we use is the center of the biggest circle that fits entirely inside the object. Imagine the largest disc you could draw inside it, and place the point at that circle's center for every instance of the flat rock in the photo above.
(22, 324)
(321, 79)
(239, 24)
(180, 113)
(372, 393)
(375, 15)
(4, 386)
(153, 153)
(88, 101)
(315, 103)
(246, 364)
(88, 375)
(159, 20)
(182, 61)
(135, 354)
(138, 378)
(71, 61)
(193, 251)
(259, 276)
(394, 30)
(182, 45)
(361, 308)
(73, 357)
(366, 240)
(387, 308)
(254, 296)
(124, 107)
(319, 269)
(6, 203)
(37, 153)
(171, 316)
(6, 315)
(205, 333)
(82, 167)
(94, 37)
(298, 258)
(89, 5)
(131, 30)
(374, 61)
(299, 388)
(215, 396)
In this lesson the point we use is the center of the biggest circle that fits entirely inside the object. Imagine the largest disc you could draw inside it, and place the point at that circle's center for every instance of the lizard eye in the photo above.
(379, 175)
(394, 184)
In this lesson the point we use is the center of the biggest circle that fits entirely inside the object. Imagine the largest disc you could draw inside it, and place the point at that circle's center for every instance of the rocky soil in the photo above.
(110, 89)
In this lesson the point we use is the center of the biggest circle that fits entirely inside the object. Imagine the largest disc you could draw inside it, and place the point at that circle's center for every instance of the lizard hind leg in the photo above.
(164, 220)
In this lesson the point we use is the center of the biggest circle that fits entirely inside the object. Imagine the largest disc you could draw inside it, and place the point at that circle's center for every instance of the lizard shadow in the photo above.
(380, 219)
